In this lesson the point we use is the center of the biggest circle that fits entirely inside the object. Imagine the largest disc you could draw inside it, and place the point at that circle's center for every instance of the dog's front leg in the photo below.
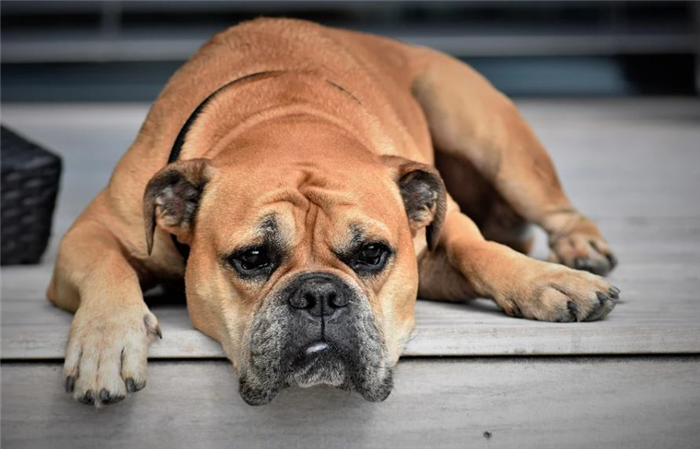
(520, 285)
(108, 343)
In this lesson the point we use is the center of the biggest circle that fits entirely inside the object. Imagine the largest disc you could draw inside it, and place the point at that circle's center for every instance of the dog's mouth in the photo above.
(321, 363)
(281, 354)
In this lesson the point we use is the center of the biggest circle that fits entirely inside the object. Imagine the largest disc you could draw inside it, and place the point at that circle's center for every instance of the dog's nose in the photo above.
(320, 296)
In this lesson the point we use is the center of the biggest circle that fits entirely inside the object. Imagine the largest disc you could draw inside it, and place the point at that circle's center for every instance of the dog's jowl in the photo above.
(308, 184)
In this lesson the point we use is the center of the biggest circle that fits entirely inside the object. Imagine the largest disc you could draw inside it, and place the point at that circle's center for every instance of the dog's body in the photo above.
(294, 178)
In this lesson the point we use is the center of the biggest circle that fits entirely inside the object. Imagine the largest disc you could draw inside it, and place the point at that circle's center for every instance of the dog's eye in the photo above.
(371, 254)
(252, 262)
(254, 259)
(371, 258)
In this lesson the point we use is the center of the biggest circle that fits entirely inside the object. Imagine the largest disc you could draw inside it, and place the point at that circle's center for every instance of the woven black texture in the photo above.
(30, 178)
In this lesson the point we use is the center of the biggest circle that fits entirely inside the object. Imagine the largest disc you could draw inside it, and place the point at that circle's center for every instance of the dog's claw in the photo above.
(88, 398)
(107, 398)
(602, 297)
(153, 328)
(70, 384)
(132, 386)
(573, 309)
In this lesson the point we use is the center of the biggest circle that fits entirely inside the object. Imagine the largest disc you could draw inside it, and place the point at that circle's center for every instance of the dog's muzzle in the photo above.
(316, 330)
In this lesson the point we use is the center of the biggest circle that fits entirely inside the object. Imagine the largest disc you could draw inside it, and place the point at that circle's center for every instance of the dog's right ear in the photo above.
(424, 195)
(172, 197)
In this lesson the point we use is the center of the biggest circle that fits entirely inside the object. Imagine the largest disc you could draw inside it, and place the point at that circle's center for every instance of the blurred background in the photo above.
(113, 51)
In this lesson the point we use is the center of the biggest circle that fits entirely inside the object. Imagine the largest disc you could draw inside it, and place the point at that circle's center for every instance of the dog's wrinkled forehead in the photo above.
(318, 212)
(282, 228)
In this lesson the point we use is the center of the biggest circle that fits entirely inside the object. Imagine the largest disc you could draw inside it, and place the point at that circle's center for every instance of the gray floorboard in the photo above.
(633, 165)
(528, 403)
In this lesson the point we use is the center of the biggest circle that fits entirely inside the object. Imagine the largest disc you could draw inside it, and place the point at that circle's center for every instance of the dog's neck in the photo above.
(265, 98)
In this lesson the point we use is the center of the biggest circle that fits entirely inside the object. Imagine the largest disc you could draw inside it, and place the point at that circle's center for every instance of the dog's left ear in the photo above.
(172, 197)
(424, 195)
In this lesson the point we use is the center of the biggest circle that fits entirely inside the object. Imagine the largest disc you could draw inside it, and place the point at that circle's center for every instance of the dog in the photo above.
(308, 184)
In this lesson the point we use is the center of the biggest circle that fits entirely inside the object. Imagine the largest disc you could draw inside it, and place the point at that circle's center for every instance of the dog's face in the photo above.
(302, 261)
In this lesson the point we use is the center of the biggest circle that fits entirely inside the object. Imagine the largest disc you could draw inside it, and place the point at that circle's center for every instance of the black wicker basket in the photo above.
(30, 177)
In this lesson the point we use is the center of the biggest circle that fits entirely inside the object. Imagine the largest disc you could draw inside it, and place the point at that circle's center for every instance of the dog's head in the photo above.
(302, 260)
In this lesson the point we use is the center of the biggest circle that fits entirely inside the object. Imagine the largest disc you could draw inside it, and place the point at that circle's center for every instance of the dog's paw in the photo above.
(107, 353)
(579, 245)
(556, 293)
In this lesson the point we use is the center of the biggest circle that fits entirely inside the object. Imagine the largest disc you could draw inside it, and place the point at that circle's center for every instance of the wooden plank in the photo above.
(544, 403)
(659, 314)
(632, 165)
(617, 158)
(460, 339)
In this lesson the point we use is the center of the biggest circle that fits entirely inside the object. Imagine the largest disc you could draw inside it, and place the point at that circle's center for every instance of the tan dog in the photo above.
(304, 188)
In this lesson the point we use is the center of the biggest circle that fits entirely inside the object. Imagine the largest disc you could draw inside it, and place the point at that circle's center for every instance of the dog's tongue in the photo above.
(316, 348)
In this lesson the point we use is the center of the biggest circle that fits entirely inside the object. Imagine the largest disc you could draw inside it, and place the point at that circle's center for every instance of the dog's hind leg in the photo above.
(479, 200)
(471, 121)
(108, 343)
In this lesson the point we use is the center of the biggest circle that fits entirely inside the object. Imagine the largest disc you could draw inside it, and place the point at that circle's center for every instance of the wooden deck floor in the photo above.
(633, 165)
